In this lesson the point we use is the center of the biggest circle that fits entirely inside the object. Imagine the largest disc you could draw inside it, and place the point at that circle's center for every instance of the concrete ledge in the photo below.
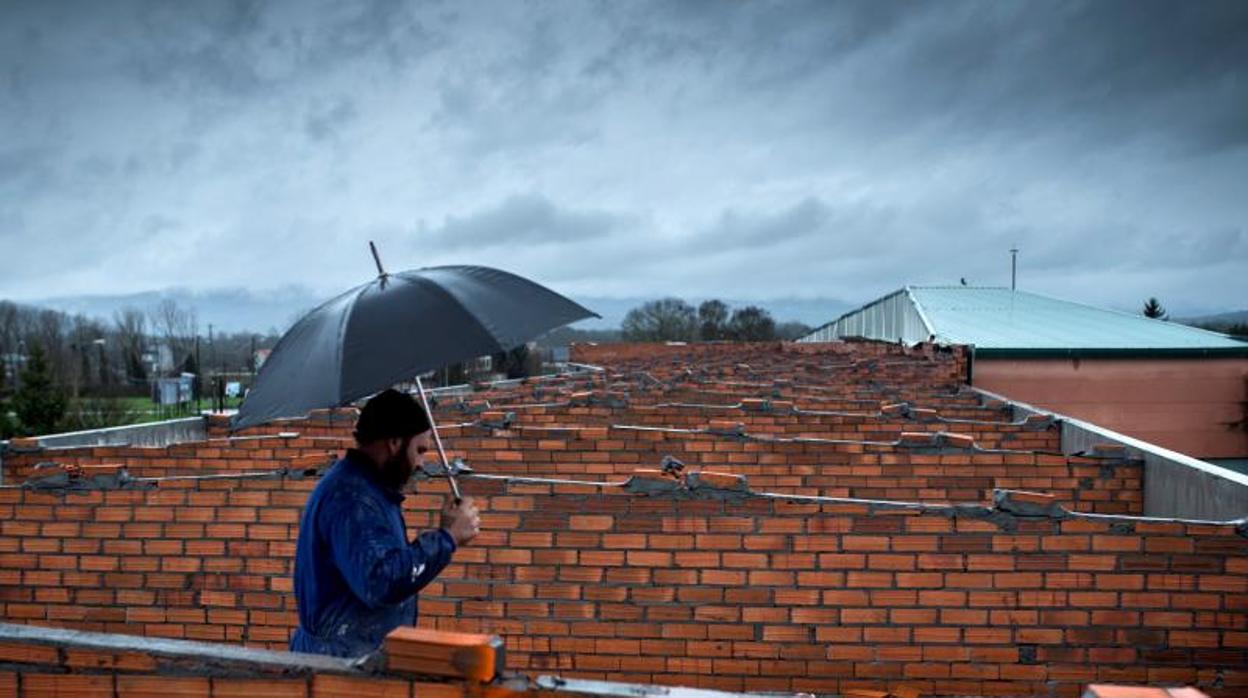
(171, 431)
(187, 655)
(1175, 485)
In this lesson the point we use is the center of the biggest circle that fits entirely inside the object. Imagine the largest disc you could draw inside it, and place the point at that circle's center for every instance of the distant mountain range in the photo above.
(244, 310)
(1238, 317)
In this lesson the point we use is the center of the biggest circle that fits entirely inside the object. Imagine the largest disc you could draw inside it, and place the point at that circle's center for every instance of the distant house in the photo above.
(260, 357)
(1176, 386)
(158, 359)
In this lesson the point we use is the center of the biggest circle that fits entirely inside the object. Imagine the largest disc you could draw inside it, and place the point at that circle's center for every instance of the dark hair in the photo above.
(390, 414)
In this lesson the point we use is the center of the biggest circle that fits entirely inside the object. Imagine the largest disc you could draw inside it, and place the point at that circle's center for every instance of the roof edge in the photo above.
(918, 308)
(1112, 353)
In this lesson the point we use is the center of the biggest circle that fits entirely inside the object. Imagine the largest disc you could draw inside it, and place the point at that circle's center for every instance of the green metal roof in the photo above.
(1001, 319)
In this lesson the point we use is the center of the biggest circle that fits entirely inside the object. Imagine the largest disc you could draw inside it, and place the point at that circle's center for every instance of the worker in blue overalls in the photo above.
(356, 573)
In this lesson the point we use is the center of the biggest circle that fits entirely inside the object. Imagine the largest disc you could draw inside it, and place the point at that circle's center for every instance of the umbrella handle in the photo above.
(438, 440)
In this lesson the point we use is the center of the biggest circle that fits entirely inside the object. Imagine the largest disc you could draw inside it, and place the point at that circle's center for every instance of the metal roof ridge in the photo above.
(971, 287)
(918, 308)
(1181, 327)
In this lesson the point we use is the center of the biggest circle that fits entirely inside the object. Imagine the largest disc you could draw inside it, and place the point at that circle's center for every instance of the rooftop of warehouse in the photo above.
(998, 318)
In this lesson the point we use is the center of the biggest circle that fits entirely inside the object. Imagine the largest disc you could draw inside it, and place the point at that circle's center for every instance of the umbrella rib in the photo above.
(341, 343)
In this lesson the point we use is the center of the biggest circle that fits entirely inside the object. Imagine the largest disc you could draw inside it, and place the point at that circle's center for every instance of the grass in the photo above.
(142, 410)
(144, 404)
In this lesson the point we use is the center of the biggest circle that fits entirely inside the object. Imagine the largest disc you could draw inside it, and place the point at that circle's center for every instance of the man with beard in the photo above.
(356, 574)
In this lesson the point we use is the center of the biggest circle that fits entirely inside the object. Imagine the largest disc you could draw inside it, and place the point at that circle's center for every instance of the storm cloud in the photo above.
(748, 150)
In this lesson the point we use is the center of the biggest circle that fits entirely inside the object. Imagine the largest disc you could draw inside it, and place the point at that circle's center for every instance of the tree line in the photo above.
(674, 320)
(1154, 309)
(53, 362)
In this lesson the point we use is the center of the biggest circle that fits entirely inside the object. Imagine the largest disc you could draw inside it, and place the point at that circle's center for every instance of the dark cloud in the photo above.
(782, 147)
(521, 221)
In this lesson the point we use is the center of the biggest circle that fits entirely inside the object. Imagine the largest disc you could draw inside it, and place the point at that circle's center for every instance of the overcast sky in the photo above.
(748, 150)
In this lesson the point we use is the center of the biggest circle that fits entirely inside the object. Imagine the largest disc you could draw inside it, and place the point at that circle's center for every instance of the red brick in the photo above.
(160, 686)
(255, 688)
(67, 685)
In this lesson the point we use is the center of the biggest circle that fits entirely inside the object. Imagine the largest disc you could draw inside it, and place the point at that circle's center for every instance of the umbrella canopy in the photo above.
(396, 327)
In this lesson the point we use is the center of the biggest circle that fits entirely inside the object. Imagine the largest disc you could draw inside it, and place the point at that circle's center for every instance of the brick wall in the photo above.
(715, 588)
(922, 467)
(218, 455)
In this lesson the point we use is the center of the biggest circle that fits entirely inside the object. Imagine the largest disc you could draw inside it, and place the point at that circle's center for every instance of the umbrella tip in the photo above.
(377, 258)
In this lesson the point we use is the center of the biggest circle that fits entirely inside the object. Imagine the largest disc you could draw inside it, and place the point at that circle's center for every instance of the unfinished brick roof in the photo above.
(817, 518)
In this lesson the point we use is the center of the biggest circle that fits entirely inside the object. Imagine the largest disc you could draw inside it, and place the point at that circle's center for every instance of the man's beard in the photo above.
(397, 470)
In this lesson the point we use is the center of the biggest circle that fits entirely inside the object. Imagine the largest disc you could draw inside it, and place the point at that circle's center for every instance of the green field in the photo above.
(119, 411)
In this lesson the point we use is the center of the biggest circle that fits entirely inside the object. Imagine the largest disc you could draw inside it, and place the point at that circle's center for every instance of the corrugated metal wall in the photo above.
(892, 318)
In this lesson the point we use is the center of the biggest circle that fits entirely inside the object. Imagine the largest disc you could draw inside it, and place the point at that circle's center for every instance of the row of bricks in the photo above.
(752, 421)
(36, 684)
(615, 435)
(887, 649)
(867, 643)
(765, 415)
(1210, 607)
(31, 517)
(559, 529)
(961, 489)
(761, 566)
(630, 446)
(28, 512)
(102, 514)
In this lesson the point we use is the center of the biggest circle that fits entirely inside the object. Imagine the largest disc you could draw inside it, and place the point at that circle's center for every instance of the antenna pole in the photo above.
(1013, 267)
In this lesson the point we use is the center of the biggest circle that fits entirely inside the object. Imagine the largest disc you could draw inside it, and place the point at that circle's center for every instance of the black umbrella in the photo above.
(396, 327)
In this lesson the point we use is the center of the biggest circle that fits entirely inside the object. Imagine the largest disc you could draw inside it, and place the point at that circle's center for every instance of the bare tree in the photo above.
(9, 326)
(659, 321)
(50, 329)
(131, 329)
(712, 320)
(177, 326)
(751, 324)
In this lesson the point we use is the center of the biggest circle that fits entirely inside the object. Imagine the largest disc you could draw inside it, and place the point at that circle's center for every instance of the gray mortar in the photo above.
(737, 433)
(508, 419)
(651, 487)
(1053, 510)
(62, 483)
